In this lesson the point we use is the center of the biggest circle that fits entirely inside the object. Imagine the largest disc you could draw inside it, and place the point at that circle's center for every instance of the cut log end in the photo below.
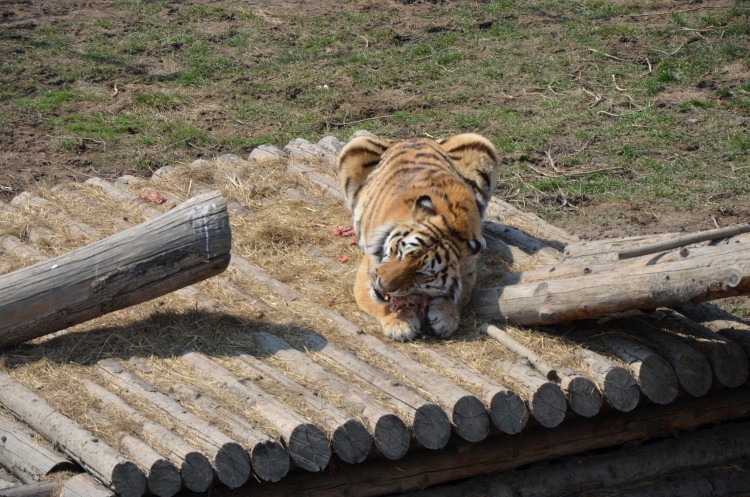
(729, 364)
(308, 447)
(232, 465)
(508, 412)
(432, 428)
(621, 389)
(583, 396)
(657, 380)
(197, 473)
(270, 461)
(548, 405)
(351, 442)
(471, 419)
(128, 480)
(391, 437)
(164, 479)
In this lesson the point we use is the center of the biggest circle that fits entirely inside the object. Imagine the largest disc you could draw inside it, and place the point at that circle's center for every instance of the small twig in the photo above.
(650, 69)
(715, 222)
(606, 54)
(77, 172)
(607, 113)
(615, 82)
(541, 173)
(549, 87)
(551, 160)
(367, 42)
(597, 97)
(446, 69)
(116, 91)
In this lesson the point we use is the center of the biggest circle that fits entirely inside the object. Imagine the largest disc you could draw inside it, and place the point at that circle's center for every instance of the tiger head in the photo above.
(424, 254)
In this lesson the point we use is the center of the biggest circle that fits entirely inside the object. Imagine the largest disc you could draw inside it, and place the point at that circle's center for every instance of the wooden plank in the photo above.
(307, 444)
(423, 469)
(183, 246)
(82, 446)
(228, 458)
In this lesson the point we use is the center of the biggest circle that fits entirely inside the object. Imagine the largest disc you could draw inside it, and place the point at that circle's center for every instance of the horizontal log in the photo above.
(162, 477)
(37, 489)
(722, 272)
(655, 377)
(530, 223)
(21, 451)
(228, 458)
(728, 361)
(582, 394)
(690, 366)
(465, 410)
(195, 468)
(79, 444)
(423, 469)
(350, 439)
(307, 444)
(429, 424)
(388, 431)
(639, 468)
(615, 382)
(545, 399)
(268, 457)
(722, 322)
(183, 246)
(508, 412)
(83, 485)
(683, 240)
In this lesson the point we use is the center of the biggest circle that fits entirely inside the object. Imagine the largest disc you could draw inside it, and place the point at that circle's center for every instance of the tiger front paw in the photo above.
(443, 316)
(401, 326)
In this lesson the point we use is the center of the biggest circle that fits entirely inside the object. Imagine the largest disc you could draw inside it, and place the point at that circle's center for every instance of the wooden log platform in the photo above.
(475, 413)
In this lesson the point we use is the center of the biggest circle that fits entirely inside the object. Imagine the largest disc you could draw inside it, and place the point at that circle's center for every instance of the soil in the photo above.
(30, 154)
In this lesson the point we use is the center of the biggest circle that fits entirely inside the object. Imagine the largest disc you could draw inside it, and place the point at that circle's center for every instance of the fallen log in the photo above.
(713, 273)
(182, 246)
(81, 445)
(615, 382)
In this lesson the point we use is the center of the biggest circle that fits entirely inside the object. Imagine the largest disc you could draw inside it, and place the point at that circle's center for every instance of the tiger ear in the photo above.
(423, 205)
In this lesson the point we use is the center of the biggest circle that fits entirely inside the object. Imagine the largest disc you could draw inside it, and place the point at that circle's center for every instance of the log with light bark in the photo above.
(614, 381)
(350, 439)
(545, 399)
(84, 485)
(36, 489)
(465, 410)
(195, 468)
(79, 444)
(654, 375)
(162, 476)
(711, 273)
(20, 451)
(269, 458)
(722, 322)
(307, 444)
(182, 246)
(229, 459)
(583, 396)
(429, 424)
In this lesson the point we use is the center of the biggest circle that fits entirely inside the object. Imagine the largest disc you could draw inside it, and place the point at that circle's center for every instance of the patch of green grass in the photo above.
(158, 99)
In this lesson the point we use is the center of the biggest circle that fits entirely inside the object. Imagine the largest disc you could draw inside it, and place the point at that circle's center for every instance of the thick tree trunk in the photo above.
(185, 245)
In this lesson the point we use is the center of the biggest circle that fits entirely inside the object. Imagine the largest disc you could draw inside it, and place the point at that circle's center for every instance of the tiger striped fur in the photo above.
(417, 208)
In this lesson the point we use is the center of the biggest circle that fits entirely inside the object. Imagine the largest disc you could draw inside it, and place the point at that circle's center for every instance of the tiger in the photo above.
(417, 207)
